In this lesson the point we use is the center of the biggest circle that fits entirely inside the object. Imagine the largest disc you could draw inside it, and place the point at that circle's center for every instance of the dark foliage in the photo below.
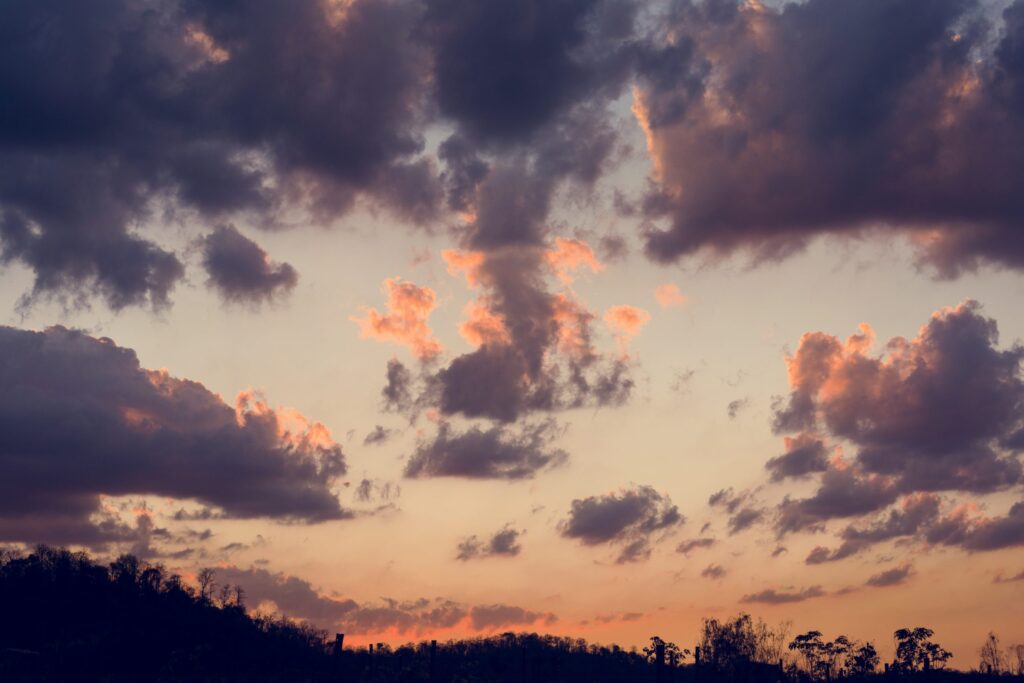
(67, 618)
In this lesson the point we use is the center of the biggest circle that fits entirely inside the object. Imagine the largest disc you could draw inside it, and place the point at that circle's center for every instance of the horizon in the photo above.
(426, 319)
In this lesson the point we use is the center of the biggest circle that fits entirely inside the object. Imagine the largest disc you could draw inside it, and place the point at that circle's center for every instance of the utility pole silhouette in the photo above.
(433, 663)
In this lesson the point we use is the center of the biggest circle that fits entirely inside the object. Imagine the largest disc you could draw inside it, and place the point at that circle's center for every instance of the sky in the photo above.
(437, 318)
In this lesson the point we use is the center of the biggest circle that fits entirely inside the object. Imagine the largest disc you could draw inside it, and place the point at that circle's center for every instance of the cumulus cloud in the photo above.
(844, 137)
(241, 271)
(772, 596)
(81, 418)
(245, 111)
(805, 454)
(503, 543)
(408, 307)
(534, 346)
(493, 453)
(978, 532)
(887, 407)
(631, 518)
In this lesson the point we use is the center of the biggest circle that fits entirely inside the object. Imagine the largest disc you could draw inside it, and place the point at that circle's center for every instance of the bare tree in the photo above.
(770, 642)
(1018, 654)
(992, 660)
(206, 583)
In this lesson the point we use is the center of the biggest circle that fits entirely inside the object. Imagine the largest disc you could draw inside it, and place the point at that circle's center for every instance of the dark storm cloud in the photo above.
(241, 271)
(504, 71)
(116, 110)
(632, 518)
(80, 418)
(891, 577)
(493, 453)
(803, 129)
(887, 406)
(503, 543)
(774, 596)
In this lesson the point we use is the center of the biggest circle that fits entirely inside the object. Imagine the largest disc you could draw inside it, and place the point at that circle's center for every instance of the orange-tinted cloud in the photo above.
(483, 326)
(568, 256)
(669, 296)
(466, 263)
(405, 323)
(626, 322)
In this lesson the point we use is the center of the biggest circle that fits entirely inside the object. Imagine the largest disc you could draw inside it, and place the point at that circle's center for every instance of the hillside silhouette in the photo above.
(68, 618)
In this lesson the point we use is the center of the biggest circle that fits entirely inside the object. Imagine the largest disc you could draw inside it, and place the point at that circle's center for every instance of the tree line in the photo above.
(68, 618)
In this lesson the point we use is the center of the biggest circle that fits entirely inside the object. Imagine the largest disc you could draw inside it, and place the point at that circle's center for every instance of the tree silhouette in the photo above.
(916, 652)
(991, 656)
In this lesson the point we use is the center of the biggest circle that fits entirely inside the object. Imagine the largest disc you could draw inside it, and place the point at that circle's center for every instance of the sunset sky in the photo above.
(434, 318)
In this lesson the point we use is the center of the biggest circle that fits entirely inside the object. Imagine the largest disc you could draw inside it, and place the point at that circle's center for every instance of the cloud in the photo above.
(534, 346)
(980, 533)
(669, 296)
(772, 596)
(490, 617)
(570, 255)
(405, 323)
(898, 139)
(630, 518)
(842, 494)
(744, 512)
(714, 572)
(914, 514)
(377, 436)
(245, 112)
(294, 597)
(487, 60)
(80, 418)
(891, 577)
(503, 543)
(805, 454)
(1019, 576)
(626, 322)
(689, 545)
(735, 406)
(241, 271)
(887, 405)
(494, 453)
